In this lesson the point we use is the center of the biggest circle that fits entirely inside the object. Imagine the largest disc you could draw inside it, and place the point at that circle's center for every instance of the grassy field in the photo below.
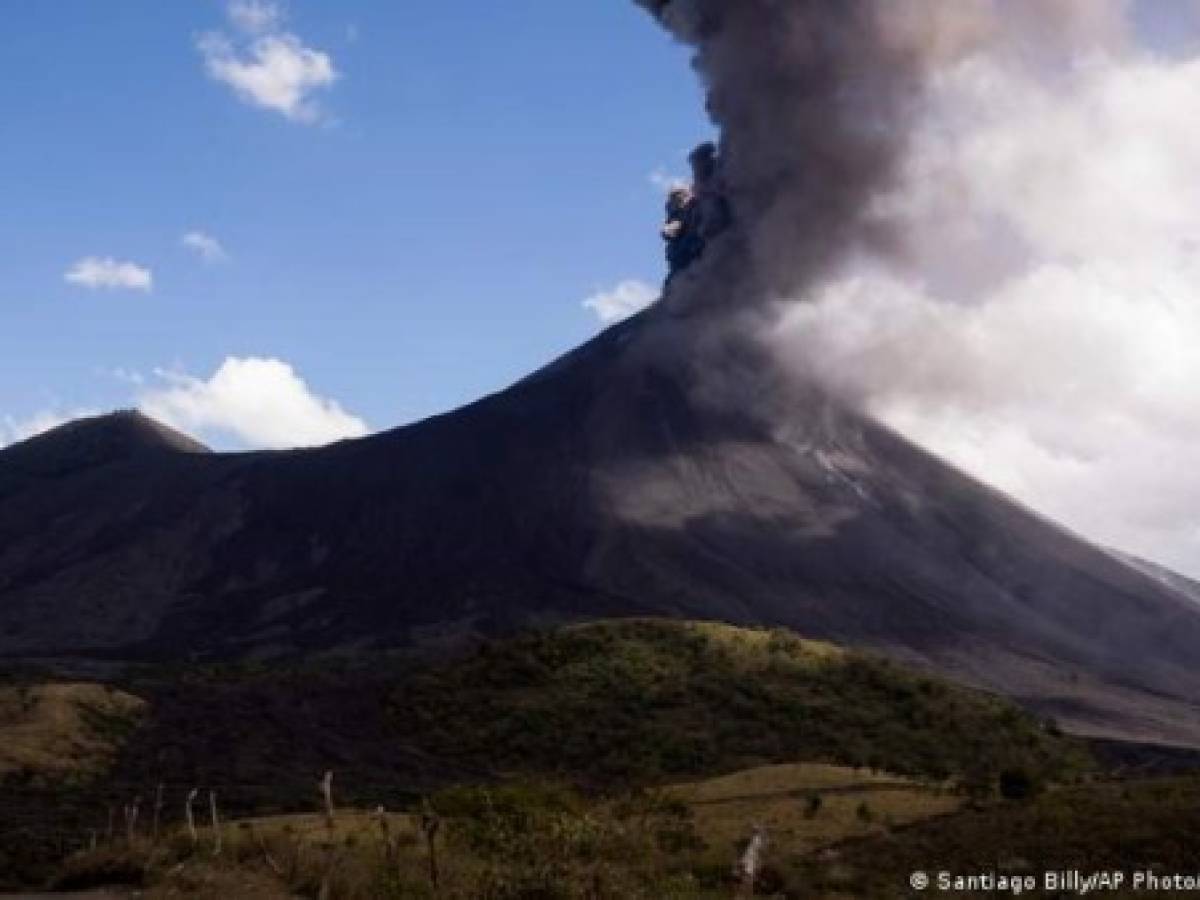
(530, 841)
(804, 808)
(60, 731)
(865, 838)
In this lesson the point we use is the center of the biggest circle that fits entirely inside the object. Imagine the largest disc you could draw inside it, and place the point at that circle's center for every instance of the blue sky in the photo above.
(419, 231)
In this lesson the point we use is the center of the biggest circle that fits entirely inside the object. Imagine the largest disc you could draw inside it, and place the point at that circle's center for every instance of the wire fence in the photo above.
(44, 825)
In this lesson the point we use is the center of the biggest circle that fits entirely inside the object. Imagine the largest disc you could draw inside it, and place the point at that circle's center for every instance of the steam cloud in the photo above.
(988, 210)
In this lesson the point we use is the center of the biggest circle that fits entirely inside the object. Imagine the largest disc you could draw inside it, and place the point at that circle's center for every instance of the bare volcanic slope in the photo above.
(624, 479)
(90, 442)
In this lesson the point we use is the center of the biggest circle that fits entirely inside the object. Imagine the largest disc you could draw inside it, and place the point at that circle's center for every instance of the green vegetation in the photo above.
(518, 841)
(521, 840)
(642, 702)
(1136, 825)
(605, 710)
(58, 745)
(538, 841)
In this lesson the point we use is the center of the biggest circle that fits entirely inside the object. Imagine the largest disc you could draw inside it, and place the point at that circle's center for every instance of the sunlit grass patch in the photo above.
(57, 730)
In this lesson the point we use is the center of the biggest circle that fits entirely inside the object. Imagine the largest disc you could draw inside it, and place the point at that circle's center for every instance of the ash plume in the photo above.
(813, 101)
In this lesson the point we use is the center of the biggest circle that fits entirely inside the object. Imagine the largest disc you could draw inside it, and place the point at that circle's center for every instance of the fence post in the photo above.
(750, 862)
(326, 787)
(390, 847)
(158, 804)
(430, 823)
(131, 817)
(216, 822)
(191, 819)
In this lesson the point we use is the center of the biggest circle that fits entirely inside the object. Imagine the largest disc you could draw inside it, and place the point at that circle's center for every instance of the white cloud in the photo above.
(1042, 331)
(621, 302)
(105, 272)
(261, 403)
(255, 16)
(205, 245)
(272, 68)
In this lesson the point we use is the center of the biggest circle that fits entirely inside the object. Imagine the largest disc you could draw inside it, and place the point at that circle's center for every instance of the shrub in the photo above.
(812, 806)
(1018, 783)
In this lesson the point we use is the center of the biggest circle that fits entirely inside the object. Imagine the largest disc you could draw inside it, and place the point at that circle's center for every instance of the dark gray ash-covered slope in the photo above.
(607, 484)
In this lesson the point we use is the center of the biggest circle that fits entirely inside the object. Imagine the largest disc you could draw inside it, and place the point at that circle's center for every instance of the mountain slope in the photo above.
(646, 473)
(90, 442)
(1181, 584)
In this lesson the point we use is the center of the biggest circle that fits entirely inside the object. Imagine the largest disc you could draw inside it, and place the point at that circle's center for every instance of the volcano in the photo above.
(615, 482)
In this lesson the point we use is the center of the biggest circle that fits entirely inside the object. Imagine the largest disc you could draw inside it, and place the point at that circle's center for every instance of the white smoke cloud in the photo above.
(260, 403)
(96, 273)
(271, 68)
(624, 300)
(1042, 329)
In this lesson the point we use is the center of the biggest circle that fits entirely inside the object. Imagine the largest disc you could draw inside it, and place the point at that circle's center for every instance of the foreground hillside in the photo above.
(607, 708)
(829, 833)
(634, 702)
(528, 840)
(661, 469)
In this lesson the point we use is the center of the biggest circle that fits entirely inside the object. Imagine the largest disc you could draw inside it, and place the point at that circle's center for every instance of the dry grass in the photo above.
(1133, 824)
(798, 778)
(61, 730)
(853, 803)
(725, 810)
(313, 825)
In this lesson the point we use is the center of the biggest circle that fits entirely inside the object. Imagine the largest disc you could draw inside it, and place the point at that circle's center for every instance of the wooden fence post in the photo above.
(390, 848)
(750, 862)
(131, 817)
(326, 787)
(158, 804)
(430, 823)
(191, 819)
(216, 822)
